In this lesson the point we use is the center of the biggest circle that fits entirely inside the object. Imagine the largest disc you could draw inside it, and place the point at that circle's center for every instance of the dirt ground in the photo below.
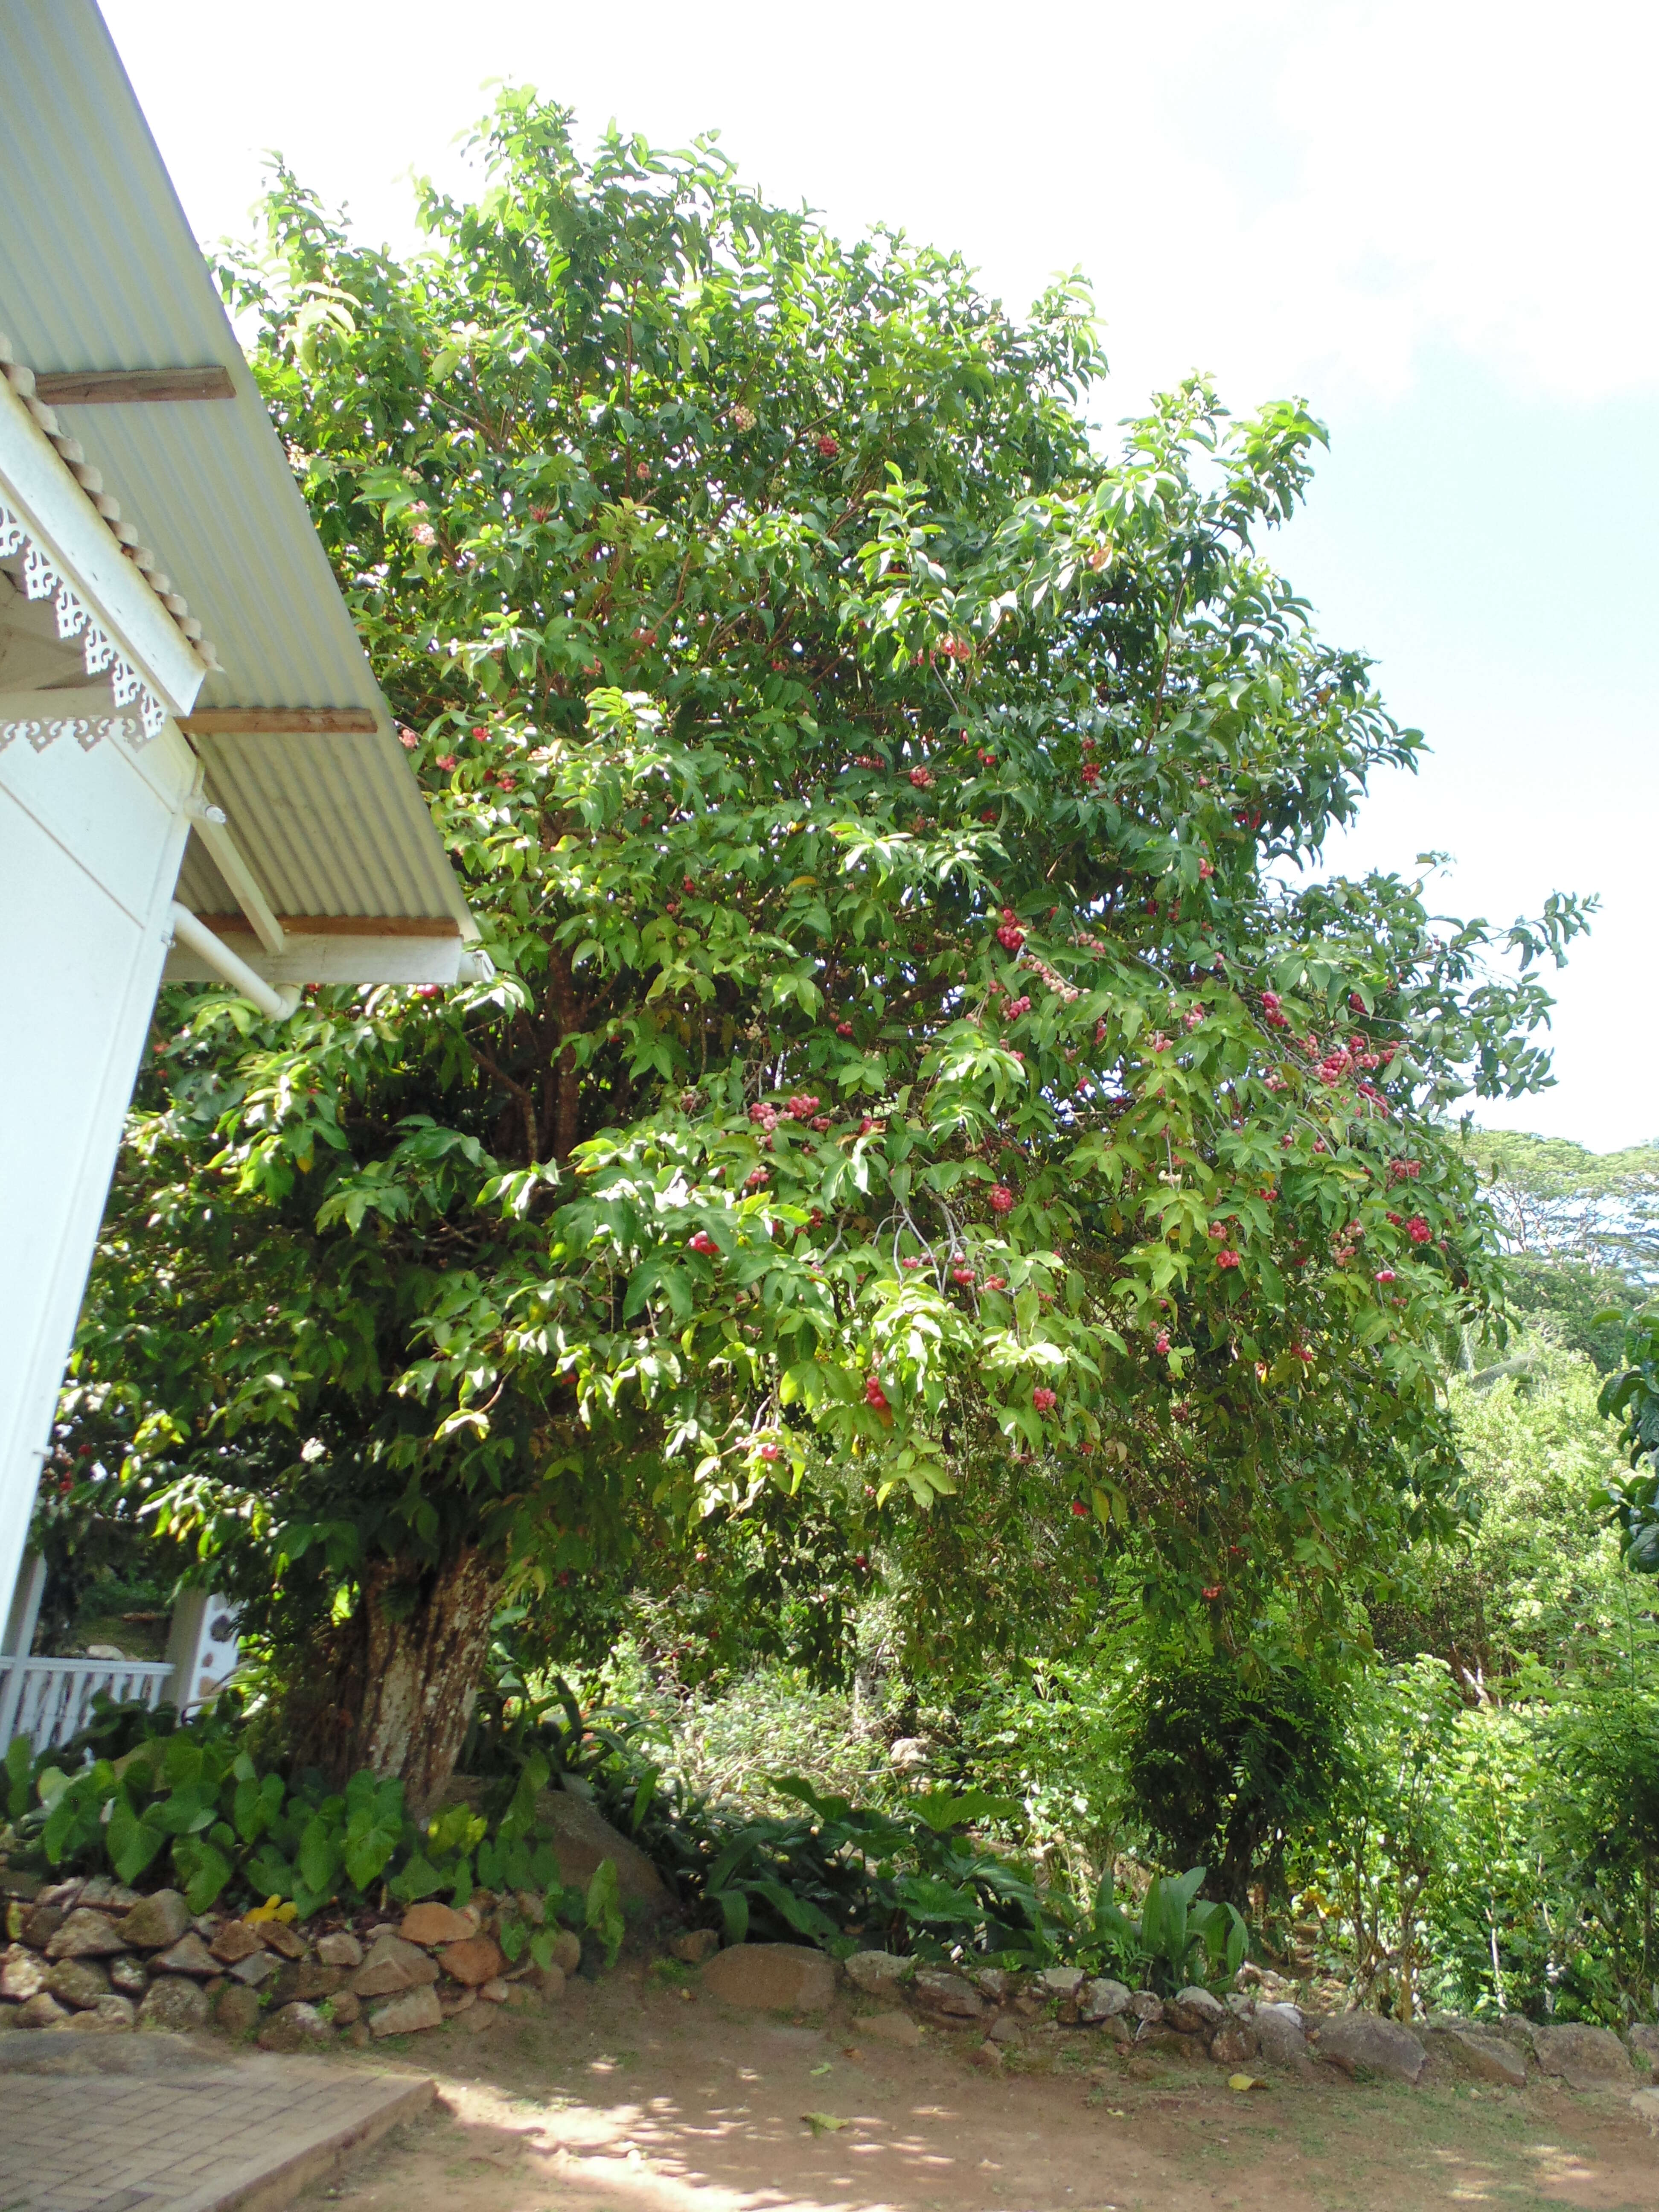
(631, 2096)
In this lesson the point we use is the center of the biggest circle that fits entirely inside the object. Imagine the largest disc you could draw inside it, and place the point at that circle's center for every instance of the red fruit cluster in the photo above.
(873, 1393)
(996, 1282)
(756, 1179)
(1158, 1042)
(962, 1275)
(1386, 1275)
(1226, 1259)
(1042, 1399)
(1011, 937)
(1162, 1345)
(828, 446)
(771, 1452)
(1276, 1017)
(923, 778)
(987, 760)
(1015, 1007)
(1195, 1015)
(444, 760)
(800, 1108)
(1418, 1230)
(954, 649)
(764, 1116)
(1080, 1511)
(843, 1028)
(820, 1121)
(1405, 1170)
(702, 1241)
(1002, 1198)
(1213, 1592)
(909, 1265)
(1205, 870)
(1091, 774)
(867, 760)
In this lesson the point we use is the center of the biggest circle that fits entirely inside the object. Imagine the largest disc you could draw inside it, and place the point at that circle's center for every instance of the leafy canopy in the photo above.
(913, 1068)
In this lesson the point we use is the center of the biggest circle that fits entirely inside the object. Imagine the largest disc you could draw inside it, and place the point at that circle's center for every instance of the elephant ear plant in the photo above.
(1179, 1939)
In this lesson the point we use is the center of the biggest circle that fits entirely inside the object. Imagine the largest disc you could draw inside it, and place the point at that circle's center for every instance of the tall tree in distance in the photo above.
(909, 1078)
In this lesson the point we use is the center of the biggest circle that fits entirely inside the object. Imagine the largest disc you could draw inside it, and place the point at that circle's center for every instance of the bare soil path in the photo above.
(631, 2097)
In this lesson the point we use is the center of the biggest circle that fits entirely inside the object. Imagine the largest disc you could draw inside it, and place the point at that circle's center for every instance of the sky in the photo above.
(1433, 221)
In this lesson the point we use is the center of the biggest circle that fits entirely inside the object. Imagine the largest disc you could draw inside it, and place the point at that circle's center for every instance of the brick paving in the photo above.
(148, 2123)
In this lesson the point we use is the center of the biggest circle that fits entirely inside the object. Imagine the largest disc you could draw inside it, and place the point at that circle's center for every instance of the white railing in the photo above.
(50, 1700)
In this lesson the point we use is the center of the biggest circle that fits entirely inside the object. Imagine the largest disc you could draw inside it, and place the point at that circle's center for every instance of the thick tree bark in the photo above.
(405, 1675)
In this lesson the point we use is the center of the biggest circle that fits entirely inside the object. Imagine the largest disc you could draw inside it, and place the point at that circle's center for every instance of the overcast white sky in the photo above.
(1434, 221)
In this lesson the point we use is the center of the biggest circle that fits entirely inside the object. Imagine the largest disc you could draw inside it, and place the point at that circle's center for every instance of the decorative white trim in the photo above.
(40, 581)
(88, 730)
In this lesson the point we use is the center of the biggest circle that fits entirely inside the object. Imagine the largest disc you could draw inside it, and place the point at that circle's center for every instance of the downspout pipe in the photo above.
(189, 929)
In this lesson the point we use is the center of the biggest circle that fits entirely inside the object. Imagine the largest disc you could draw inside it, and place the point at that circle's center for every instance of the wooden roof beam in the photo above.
(111, 387)
(280, 722)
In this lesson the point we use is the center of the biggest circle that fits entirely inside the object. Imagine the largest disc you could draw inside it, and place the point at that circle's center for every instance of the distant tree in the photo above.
(908, 1077)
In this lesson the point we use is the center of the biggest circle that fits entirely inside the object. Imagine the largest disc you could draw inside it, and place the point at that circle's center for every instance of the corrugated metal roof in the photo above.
(98, 269)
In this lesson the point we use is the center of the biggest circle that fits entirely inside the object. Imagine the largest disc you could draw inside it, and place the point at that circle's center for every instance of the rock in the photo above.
(8, 2017)
(517, 1996)
(566, 1951)
(127, 1976)
(492, 1992)
(1643, 2042)
(1102, 1999)
(1170, 2043)
(1585, 2057)
(304, 1982)
(878, 1974)
(986, 2057)
(281, 1938)
(1487, 2057)
(340, 1948)
(406, 2015)
(38, 1925)
(477, 2018)
(107, 1893)
(530, 1907)
(1232, 2045)
(235, 1942)
(1116, 2028)
(472, 1963)
(1644, 2103)
(392, 1966)
(189, 1955)
(343, 2007)
(22, 1973)
(995, 1983)
(583, 1838)
(1515, 2029)
(1007, 2032)
(772, 1977)
(1194, 2012)
(78, 1982)
(258, 1966)
(547, 1982)
(909, 1754)
(85, 1934)
(111, 2016)
(894, 2028)
(453, 2000)
(175, 2002)
(1145, 2004)
(236, 2009)
(65, 1895)
(695, 1945)
(41, 2010)
(296, 2027)
(14, 1882)
(155, 1921)
(1280, 2036)
(1059, 1981)
(1364, 2041)
(433, 1923)
(356, 2036)
(947, 1994)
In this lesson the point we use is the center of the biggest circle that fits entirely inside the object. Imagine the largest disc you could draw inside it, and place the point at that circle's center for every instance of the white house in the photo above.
(198, 776)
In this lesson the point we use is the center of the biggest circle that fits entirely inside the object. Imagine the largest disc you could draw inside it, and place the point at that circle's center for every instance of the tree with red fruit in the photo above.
(756, 605)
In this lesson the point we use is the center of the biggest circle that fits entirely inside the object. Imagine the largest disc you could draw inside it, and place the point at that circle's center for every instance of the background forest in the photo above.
(941, 1337)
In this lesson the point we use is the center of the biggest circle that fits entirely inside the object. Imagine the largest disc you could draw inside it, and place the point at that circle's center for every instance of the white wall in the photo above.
(90, 844)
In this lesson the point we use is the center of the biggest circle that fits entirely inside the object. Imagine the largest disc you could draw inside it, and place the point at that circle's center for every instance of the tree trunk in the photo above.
(405, 1675)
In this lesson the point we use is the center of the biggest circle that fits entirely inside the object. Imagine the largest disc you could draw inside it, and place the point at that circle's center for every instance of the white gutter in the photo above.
(185, 927)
